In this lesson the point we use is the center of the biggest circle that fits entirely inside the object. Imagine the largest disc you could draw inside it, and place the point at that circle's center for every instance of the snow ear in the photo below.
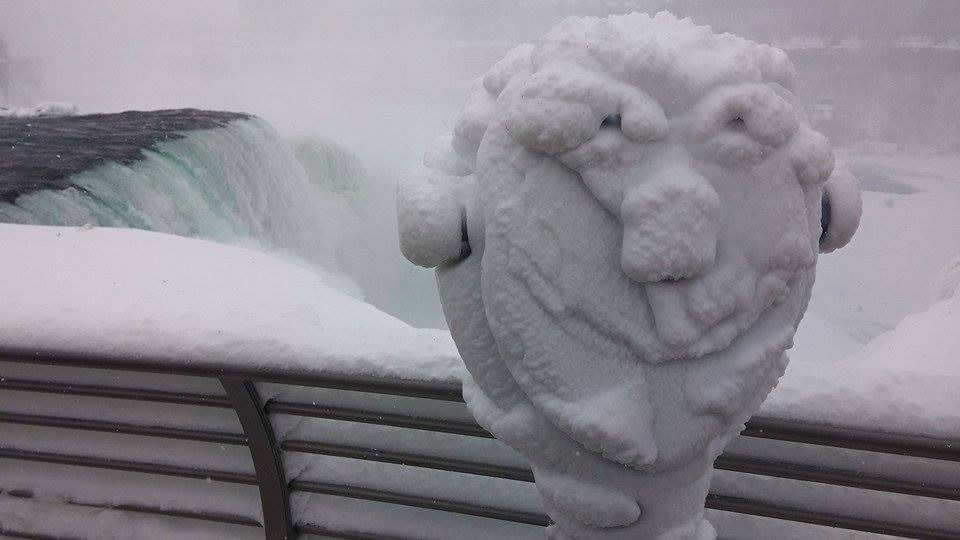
(431, 217)
(840, 210)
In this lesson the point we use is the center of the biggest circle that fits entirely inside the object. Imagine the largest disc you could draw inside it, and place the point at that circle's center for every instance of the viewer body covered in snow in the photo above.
(625, 224)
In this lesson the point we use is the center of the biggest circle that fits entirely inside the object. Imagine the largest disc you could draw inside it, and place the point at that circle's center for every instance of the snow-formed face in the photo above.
(625, 221)
(718, 201)
(718, 214)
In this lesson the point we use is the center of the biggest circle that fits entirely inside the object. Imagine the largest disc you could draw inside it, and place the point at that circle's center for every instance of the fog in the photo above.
(304, 206)
(384, 78)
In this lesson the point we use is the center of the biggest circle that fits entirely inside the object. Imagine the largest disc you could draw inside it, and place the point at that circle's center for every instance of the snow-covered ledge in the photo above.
(107, 292)
(906, 381)
(152, 297)
(147, 296)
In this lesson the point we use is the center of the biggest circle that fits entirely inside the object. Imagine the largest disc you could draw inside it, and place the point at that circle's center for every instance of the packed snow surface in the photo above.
(641, 200)
(144, 295)
(898, 264)
(879, 394)
(904, 381)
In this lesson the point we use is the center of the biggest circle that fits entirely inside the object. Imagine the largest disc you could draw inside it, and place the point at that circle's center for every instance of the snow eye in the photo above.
(724, 135)
(825, 215)
(737, 124)
(613, 121)
(752, 115)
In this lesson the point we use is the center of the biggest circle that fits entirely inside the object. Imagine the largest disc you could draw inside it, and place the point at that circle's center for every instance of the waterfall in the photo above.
(240, 183)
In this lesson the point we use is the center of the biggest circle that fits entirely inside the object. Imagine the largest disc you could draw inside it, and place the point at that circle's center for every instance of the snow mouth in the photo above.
(695, 318)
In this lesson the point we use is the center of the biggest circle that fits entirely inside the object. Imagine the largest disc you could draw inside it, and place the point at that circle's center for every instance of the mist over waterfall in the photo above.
(383, 81)
(232, 184)
(306, 199)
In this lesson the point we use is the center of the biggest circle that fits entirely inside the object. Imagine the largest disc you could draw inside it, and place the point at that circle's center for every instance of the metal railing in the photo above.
(275, 488)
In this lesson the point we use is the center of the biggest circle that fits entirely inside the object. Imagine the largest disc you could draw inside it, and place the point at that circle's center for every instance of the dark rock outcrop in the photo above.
(38, 153)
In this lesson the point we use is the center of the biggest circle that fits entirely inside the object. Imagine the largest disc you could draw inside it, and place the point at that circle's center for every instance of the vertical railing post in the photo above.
(267, 460)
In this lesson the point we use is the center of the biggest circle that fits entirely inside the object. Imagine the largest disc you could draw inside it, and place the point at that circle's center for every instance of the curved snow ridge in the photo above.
(904, 381)
(141, 295)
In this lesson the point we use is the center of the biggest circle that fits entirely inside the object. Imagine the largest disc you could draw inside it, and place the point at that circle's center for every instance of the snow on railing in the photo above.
(270, 446)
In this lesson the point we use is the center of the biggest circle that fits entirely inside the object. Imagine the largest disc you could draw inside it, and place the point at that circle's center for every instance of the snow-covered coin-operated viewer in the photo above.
(625, 223)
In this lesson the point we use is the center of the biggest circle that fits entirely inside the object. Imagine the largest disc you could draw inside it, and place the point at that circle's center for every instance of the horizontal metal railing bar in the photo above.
(458, 427)
(915, 446)
(890, 443)
(130, 466)
(716, 502)
(836, 477)
(410, 459)
(126, 429)
(204, 516)
(160, 396)
(742, 464)
(433, 503)
(142, 509)
(738, 505)
(439, 390)
(310, 528)
(791, 431)
(713, 501)
(856, 439)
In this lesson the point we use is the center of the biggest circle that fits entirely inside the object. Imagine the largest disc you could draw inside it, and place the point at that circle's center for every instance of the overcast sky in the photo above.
(386, 75)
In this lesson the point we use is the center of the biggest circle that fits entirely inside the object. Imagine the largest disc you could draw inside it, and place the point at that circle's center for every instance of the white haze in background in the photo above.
(380, 76)
(384, 78)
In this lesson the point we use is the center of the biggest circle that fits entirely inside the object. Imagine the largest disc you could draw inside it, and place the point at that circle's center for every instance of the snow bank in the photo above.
(904, 381)
(818, 341)
(910, 231)
(144, 295)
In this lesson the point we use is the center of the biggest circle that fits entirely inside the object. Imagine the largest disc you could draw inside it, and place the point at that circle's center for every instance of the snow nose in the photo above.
(670, 225)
